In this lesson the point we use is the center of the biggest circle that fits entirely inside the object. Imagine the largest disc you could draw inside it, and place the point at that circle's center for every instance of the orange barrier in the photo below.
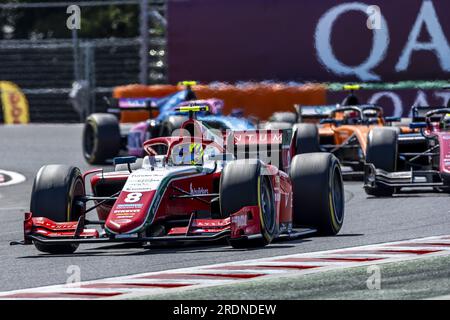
(258, 100)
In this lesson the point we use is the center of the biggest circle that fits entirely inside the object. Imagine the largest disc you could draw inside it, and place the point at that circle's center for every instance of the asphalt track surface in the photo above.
(25, 149)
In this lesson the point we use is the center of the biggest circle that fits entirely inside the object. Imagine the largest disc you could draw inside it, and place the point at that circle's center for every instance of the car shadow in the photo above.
(158, 250)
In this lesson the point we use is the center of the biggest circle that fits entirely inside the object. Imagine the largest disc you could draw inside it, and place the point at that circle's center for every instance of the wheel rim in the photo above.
(338, 196)
(77, 192)
(267, 206)
(89, 141)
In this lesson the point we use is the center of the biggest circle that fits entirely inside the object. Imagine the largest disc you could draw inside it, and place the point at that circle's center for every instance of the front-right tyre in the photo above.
(242, 185)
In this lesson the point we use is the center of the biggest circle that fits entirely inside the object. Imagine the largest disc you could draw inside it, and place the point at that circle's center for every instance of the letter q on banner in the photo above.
(15, 104)
(325, 53)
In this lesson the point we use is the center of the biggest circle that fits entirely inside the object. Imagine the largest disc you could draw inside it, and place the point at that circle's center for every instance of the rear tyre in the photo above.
(245, 175)
(101, 138)
(277, 125)
(382, 152)
(289, 117)
(54, 193)
(318, 192)
(306, 137)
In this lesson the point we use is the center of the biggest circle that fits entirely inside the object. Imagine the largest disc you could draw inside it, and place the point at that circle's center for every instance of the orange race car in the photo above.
(340, 129)
(345, 132)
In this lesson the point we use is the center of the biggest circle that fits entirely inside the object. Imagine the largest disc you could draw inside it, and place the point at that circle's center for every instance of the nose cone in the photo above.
(130, 212)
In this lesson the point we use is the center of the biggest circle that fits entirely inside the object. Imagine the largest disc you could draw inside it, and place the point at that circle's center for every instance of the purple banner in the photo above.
(305, 40)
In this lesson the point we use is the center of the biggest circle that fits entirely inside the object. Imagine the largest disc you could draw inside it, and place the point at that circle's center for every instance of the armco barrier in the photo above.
(258, 100)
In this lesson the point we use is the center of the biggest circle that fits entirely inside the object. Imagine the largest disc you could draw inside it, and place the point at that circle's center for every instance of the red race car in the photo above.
(190, 188)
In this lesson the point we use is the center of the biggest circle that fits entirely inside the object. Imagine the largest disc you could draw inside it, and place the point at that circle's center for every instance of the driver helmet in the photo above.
(445, 122)
(196, 153)
(351, 117)
(370, 113)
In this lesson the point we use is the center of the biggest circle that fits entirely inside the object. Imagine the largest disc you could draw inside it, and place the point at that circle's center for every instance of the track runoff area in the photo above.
(160, 284)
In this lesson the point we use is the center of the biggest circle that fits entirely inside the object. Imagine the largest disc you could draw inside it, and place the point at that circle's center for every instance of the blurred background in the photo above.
(278, 51)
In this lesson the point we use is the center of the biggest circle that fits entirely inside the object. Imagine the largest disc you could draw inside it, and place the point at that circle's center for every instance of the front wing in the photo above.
(402, 179)
(243, 224)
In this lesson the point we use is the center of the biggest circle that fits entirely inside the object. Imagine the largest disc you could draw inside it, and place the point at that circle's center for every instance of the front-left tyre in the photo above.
(243, 185)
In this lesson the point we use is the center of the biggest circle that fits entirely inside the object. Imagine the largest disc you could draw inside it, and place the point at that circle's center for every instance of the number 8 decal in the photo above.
(133, 197)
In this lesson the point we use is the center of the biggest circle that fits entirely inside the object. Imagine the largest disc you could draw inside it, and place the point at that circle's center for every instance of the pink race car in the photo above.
(415, 160)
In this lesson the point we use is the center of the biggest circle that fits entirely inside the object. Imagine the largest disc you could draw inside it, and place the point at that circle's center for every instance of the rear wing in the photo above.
(419, 114)
(314, 113)
(132, 104)
(213, 106)
(270, 146)
(262, 137)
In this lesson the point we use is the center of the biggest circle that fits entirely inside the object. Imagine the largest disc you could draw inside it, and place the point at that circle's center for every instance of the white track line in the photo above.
(16, 178)
(152, 283)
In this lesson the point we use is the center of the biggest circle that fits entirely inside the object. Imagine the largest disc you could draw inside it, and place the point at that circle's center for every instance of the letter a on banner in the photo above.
(15, 104)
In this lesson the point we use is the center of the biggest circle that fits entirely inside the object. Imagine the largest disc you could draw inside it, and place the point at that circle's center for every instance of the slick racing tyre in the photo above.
(382, 152)
(306, 138)
(101, 138)
(318, 192)
(242, 185)
(289, 117)
(54, 193)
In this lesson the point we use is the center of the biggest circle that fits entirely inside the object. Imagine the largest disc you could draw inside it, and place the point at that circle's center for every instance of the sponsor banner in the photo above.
(327, 40)
(256, 99)
(396, 102)
(15, 104)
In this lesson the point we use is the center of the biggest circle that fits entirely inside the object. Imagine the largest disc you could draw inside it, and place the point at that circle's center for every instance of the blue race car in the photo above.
(104, 137)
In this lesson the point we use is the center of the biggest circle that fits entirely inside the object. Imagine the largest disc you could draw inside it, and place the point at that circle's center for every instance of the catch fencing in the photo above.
(46, 70)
